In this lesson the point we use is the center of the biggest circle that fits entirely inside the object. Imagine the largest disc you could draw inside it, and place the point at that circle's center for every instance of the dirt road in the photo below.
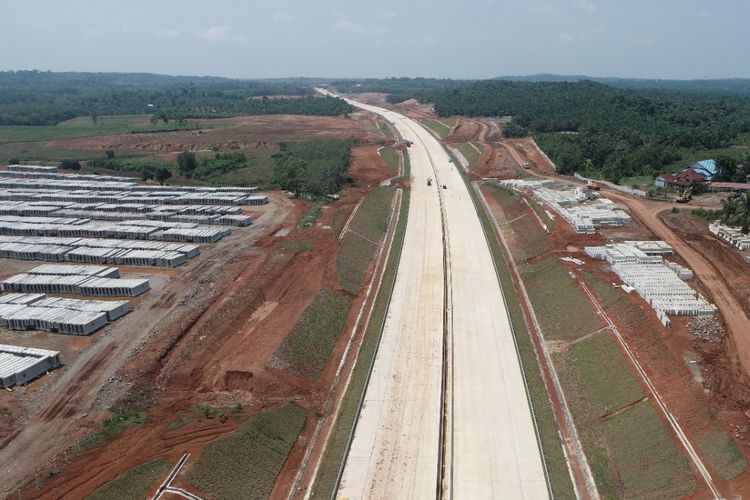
(491, 448)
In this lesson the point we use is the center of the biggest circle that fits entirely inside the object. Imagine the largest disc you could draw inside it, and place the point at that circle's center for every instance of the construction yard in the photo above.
(221, 338)
(618, 366)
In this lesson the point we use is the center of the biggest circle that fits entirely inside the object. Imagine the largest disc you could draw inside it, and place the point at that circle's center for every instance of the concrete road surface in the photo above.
(493, 451)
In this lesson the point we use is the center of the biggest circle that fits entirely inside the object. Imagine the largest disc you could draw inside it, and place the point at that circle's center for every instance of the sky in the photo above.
(678, 39)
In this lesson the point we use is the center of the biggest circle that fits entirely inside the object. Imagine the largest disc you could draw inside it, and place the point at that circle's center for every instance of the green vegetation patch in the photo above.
(722, 454)
(470, 153)
(325, 481)
(563, 310)
(296, 246)
(629, 449)
(385, 130)
(598, 379)
(245, 464)
(645, 461)
(312, 214)
(133, 484)
(352, 260)
(391, 157)
(528, 238)
(605, 292)
(305, 351)
(360, 243)
(316, 167)
(441, 127)
(128, 413)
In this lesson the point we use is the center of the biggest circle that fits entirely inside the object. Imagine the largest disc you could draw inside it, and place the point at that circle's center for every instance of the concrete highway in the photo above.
(461, 429)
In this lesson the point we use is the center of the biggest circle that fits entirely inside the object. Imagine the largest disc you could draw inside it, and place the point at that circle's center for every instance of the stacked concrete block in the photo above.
(20, 365)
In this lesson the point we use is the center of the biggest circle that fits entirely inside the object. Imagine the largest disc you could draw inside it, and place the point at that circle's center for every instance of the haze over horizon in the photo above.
(481, 39)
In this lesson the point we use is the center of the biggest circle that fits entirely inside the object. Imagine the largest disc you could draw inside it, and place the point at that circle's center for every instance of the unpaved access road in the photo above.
(446, 299)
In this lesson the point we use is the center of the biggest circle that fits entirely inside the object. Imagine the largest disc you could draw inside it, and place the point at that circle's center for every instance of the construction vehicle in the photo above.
(408, 143)
(594, 186)
(687, 195)
(429, 181)
(525, 165)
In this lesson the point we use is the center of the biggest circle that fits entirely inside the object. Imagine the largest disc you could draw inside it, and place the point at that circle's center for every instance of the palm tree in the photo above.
(744, 217)
(729, 211)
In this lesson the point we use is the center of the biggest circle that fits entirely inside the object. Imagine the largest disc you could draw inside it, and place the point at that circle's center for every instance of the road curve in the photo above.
(489, 433)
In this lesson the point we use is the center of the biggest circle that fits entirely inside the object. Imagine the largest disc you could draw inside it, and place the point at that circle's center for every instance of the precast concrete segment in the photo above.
(395, 450)
(495, 451)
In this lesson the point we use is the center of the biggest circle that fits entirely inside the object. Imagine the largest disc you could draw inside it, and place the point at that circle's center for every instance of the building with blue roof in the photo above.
(705, 167)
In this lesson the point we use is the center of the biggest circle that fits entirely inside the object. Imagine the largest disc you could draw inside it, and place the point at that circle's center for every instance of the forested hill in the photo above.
(46, 98)
(714, 86)
(616, 132)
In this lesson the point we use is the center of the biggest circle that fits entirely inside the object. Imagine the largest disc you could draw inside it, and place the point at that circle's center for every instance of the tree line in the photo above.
(590, 127)
(39, 98)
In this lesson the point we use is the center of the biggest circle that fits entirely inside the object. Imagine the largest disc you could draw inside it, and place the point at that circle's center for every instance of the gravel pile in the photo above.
(707, 328)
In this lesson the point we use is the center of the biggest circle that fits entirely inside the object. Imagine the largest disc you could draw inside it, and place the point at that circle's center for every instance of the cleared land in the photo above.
(203, 337)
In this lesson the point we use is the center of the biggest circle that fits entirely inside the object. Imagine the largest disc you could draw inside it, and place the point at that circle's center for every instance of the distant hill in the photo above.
(717, 86)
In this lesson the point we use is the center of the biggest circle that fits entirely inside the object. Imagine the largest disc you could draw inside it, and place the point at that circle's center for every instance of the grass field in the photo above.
(563, 310)
(441, 127)
(325, 480)
(628, 447)
(529, 239)
(305, 351)
(470, 153)
(85, 127)
(606, 293)
(385, 130)
(352, 260)
(133, 484)
(391, 158)
(722, 454)
(245, 463)
(359, 244)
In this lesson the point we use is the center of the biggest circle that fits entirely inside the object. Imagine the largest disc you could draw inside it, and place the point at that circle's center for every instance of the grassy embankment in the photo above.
(305, 351)
(245, 463)
(338, 442)
(133, 484)
(360, 242)
(471, 152)
(442, 127)
(629, 449)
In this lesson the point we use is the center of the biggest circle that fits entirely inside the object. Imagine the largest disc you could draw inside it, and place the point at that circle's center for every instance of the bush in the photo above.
(70, 165)
(186, 164)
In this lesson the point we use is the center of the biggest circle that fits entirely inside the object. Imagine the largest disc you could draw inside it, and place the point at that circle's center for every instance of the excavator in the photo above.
(687, 195)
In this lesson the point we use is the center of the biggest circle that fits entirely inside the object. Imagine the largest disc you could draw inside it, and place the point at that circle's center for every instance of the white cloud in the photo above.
(541, 9)
(281, 17)
(565, 36)
(585, 5)
(126, 28)
(167, 34)
(223, 33)
(347, 26)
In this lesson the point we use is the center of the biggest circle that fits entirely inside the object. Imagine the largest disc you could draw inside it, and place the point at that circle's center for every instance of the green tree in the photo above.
(147, 172)
(290, 172)
(109, 154)
(161, 174)
(186, 163)
(70, 165)
(726, 168)
(14, 161)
